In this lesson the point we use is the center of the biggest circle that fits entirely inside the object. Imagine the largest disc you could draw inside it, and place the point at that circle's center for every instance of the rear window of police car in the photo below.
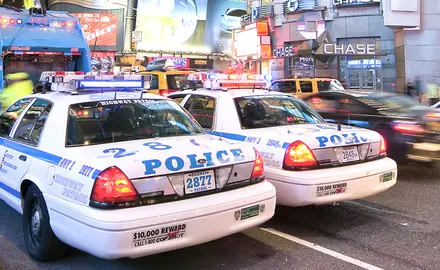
(123, 120)
(271, 111)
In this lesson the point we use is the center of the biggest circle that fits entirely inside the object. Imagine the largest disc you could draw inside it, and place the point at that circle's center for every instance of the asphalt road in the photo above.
(398, 229)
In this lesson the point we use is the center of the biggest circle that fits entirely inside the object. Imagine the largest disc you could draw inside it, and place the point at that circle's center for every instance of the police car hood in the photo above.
(317, 136)
(153, 157)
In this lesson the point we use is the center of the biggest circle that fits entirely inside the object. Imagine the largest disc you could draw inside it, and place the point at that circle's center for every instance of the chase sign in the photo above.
(345, 3)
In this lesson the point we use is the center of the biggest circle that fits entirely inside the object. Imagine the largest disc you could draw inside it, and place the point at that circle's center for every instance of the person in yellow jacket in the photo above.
(19, 85)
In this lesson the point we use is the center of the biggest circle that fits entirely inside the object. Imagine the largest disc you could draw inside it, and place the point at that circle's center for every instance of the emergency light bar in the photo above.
(139, 84)
(75, 82)
(230, 81)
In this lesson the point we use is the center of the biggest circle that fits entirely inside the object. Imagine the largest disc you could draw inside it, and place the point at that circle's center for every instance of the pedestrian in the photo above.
(410, 88)
(420, 87)
(18, 85)
(432, 95)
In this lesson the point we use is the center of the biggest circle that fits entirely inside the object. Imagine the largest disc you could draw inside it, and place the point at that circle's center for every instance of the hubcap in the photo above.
(36, 222)
(36, 218)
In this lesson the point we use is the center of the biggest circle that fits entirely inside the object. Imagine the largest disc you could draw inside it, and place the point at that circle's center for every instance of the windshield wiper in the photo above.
(10, 7)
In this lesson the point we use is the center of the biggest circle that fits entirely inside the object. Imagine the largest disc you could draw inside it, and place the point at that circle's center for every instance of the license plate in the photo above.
(350, 154)
(199, 181)
(251, 211)
(386, 177)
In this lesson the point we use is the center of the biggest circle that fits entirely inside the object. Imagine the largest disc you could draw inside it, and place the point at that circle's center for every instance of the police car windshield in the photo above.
(111, 121)
(271, 111)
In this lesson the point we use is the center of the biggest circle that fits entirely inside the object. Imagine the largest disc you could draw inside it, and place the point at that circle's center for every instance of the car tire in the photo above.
(41, 243)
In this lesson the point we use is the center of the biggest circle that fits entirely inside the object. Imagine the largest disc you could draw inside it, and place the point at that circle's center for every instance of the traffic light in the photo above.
(133, 45)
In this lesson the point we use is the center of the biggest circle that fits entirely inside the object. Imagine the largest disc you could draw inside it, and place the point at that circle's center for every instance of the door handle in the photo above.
(23, 157)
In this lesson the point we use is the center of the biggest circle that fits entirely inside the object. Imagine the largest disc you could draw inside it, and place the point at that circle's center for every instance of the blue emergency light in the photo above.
(212, 77)
(98, 84)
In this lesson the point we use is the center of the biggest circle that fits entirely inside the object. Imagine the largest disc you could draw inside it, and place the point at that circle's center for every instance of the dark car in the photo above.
(412, 131)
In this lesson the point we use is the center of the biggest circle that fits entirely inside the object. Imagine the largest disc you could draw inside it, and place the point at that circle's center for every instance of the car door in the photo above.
(23, 141)
(9, 164)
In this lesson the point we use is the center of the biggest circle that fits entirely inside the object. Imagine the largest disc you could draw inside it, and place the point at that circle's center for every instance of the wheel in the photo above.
(41, 243)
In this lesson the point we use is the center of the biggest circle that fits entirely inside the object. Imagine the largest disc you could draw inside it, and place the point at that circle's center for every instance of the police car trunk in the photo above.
(145, 149)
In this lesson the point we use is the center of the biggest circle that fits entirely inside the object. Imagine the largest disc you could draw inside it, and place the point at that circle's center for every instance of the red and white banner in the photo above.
(100, 28)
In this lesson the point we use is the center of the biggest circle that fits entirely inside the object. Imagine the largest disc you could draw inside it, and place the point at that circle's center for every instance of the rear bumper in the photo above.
(424, 151)
(146, 230)
(333, 185)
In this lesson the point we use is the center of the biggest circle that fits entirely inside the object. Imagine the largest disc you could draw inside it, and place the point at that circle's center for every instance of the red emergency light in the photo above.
(11, 21)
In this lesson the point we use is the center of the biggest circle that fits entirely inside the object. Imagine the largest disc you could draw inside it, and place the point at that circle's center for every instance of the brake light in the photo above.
(298, 154)
(383, 146)
(408, 128)
(316, 100)
(433, 115)
(258, 170)
(112, 185)
(167, 92)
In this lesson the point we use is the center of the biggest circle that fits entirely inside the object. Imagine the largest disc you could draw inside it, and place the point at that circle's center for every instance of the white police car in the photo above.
(309, 161)
(122, 173)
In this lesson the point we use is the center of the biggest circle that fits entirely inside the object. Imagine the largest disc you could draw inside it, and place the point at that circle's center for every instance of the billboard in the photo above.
(196, 25)
(167, 23)
(100, 28)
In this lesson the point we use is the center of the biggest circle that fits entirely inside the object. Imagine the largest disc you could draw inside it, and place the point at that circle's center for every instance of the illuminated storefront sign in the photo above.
(350, 49)
(262, 29)
(246, 42)
(353, 2)
(284, 52)
(178, 62)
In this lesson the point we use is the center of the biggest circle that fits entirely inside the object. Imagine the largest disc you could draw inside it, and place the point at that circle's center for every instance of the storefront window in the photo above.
(361, 71)
(301, 66)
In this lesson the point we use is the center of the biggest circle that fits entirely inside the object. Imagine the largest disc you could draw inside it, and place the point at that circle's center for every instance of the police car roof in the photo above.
(66, 99)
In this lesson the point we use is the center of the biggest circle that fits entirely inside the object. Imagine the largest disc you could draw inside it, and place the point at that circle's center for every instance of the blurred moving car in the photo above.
(231, 19)
(411, 130)
(305, 87)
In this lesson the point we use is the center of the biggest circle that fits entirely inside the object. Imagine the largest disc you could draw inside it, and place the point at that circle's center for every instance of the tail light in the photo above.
(409, 128)
(113, 186)
(383, 147)
(258, 170)
(433, 115)
(316, 100)
(299, 155)
(167, 92)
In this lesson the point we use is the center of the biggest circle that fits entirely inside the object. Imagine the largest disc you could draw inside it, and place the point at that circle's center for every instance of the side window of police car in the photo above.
(31, 125)
(10, 116)
(178, 98)
(202, 109)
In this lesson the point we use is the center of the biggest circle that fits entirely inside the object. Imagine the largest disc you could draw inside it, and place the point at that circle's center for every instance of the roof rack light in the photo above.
(98, 84)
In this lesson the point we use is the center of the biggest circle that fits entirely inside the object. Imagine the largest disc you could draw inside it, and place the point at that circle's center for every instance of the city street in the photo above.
(398, 229)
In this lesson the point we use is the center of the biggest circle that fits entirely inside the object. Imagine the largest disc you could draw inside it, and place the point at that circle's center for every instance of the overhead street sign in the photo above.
(137, 36)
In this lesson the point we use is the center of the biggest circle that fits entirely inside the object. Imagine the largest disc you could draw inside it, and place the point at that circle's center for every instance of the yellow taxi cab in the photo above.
(305, 87)
(165, 79)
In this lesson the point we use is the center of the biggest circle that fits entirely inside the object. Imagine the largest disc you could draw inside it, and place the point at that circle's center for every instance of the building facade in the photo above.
(417, 45)
(343, 39)
(353, 27)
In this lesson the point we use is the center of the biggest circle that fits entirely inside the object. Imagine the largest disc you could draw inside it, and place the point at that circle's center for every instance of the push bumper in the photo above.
(327, 186)
(147, 230)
